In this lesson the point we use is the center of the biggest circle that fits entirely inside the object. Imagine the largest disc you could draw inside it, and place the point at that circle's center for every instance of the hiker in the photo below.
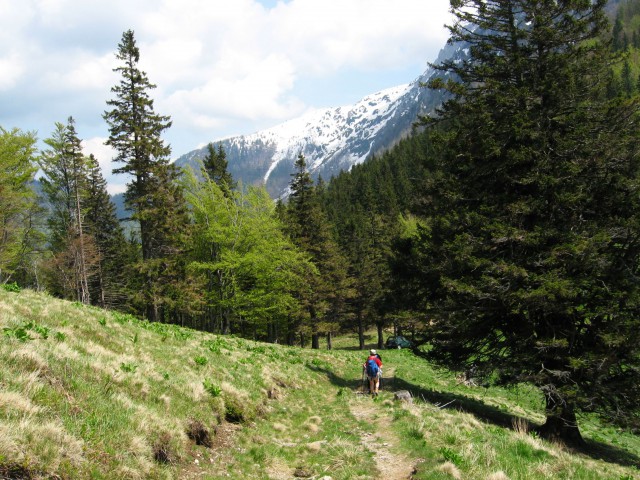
(373, 368)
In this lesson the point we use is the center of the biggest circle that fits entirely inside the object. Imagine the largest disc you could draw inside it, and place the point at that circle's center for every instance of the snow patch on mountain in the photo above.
(325, 127)
(331, 139)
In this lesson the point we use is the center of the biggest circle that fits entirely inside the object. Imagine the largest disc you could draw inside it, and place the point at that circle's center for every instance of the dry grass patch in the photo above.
(500, 475)
(197, 391)
(279, 427)
(28, 358)
(165, 400)
(62, 351)
(14, 402)
(450, 469)
(40, 446)
(316, 447)
(279, 470)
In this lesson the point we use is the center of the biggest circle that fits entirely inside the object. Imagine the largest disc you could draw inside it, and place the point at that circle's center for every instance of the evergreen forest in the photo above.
(502, 236)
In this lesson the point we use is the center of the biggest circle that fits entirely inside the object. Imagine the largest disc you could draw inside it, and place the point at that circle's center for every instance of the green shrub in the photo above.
(451, 456)
(11, 287)
(128, 367)
(235, 411)
(415, 433)
(212, 389)
(42, 331)
(202, 361)
(214, 346)
(19, 333)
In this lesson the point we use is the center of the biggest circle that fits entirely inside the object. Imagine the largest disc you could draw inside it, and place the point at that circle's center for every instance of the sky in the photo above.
(221, 67)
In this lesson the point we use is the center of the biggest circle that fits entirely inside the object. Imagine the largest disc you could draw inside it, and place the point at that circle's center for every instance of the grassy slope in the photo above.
(95, 394)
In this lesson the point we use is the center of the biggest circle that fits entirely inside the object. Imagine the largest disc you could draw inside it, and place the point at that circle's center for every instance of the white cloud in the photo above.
(253, 88)
(11, 70)
(104, 154)
(328, 35)
(218, 64)
(91, 73)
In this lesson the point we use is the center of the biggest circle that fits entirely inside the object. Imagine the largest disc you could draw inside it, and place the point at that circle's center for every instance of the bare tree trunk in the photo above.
(101, 295)
(360, 330)
(561, 425)
(226, 324)
(84, 277)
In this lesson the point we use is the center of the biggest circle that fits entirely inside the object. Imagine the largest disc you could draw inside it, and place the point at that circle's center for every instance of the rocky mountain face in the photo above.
(332, 139)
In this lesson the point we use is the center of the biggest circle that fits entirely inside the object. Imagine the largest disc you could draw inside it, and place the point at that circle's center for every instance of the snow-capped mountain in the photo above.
(332, 139)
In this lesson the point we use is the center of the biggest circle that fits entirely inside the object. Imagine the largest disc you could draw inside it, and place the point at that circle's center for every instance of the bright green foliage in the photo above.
(11, 287)
(17, 200)
(254, 272)
(624, 75)
(529, 258)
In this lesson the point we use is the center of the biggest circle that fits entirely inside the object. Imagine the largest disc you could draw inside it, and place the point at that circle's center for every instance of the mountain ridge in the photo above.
(331, 139)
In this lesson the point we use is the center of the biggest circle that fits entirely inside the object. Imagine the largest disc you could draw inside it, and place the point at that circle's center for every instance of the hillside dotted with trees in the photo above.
(502, 236)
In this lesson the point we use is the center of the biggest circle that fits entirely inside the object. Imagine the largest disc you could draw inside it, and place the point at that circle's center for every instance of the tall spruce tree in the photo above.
(108, 287)
(529, 258)
(310, 230)
(154, 196)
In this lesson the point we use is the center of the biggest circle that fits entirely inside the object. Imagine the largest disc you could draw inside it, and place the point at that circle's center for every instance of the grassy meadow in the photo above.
(87, 393)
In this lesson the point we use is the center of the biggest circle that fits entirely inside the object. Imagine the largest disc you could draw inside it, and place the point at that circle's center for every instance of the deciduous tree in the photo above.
(18, 200)
(254, 270)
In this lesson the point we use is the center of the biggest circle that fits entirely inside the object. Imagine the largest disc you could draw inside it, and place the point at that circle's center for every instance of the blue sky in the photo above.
(222, 67)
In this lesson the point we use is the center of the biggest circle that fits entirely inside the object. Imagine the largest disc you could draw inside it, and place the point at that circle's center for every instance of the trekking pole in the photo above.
(362, 383)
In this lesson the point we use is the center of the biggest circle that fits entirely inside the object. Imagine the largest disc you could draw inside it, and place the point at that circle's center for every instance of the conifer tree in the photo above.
(153, 195)
(65, 180)
(216, 167)
(108, 285)
(529, 258)
(627, 81)
(310, 230)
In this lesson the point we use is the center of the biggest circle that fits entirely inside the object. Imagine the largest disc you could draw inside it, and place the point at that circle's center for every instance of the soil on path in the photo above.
(384, 441)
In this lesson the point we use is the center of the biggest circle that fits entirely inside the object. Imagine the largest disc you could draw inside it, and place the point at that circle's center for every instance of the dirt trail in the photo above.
(384, 440)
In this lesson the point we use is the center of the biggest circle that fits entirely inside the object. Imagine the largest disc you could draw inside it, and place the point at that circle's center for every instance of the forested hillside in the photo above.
(512, 249)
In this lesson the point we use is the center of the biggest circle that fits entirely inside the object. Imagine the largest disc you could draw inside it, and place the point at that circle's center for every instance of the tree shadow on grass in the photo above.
(352, 383)
(482, 411)
(496, 416)
(370, 341)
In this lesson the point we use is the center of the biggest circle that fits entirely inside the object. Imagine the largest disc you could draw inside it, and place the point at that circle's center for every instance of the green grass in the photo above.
(87, 393)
